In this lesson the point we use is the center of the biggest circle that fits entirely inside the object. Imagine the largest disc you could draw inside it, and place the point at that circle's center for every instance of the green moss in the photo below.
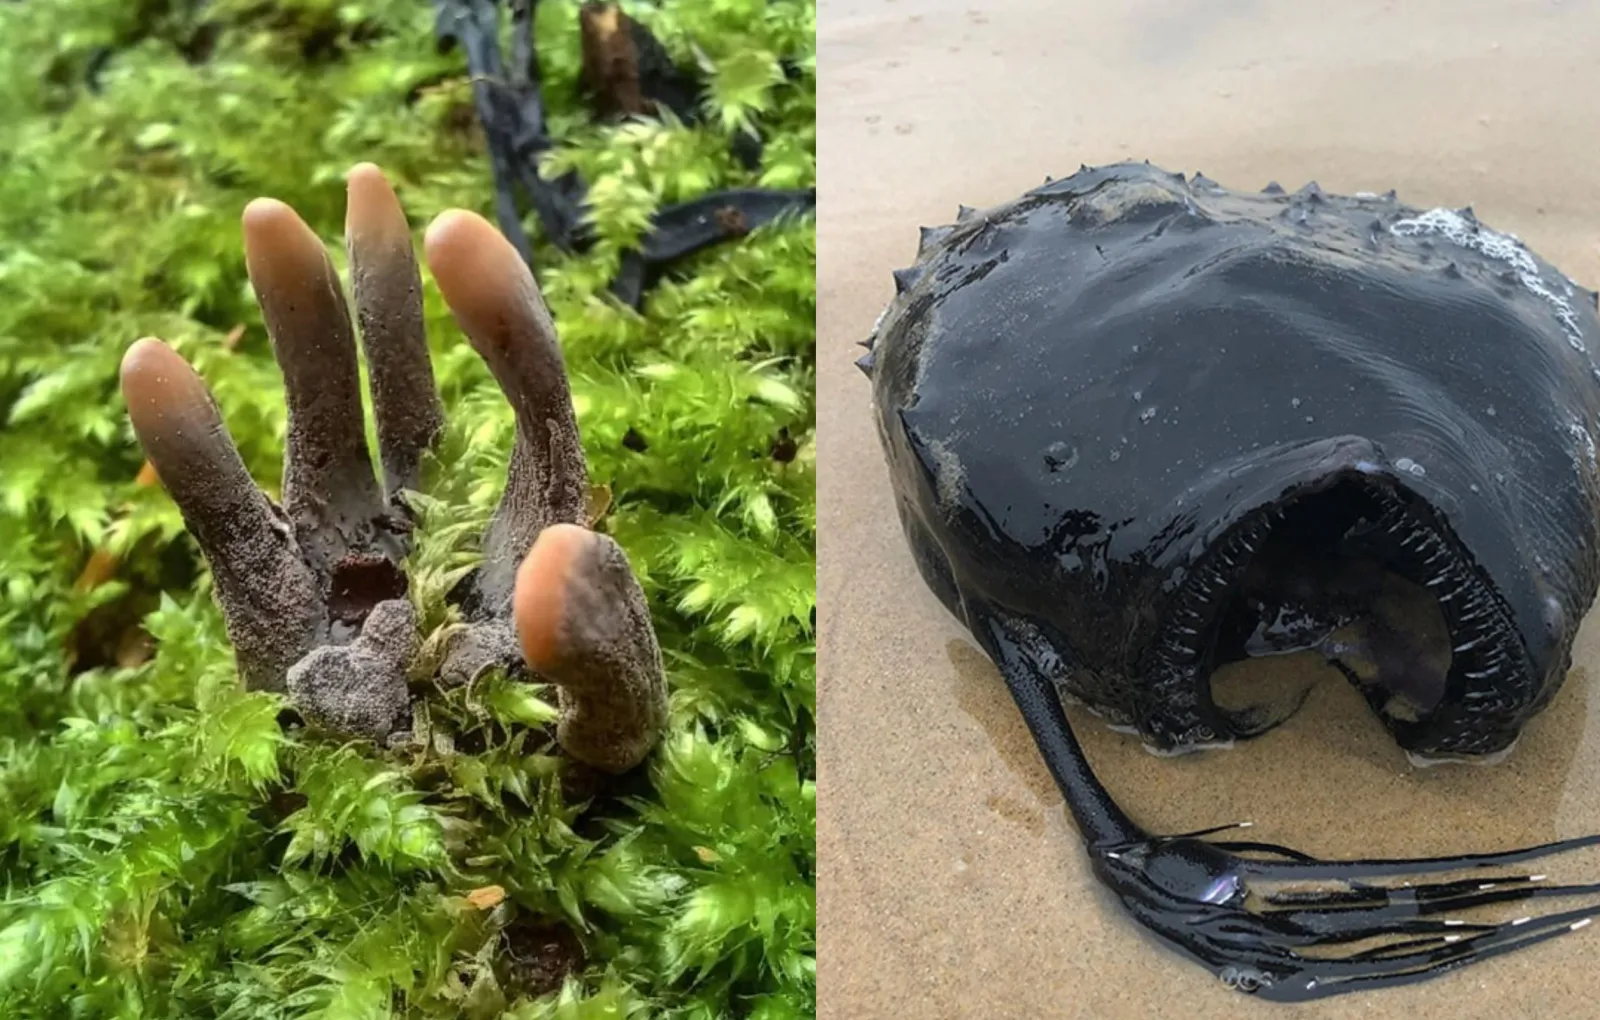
(166, 847)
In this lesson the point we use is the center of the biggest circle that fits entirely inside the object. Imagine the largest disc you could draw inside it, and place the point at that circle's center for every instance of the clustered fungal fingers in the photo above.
(328, 487)
(268, 595)
(497, 304)
(388, 296)
(314, 594)
(583, 624)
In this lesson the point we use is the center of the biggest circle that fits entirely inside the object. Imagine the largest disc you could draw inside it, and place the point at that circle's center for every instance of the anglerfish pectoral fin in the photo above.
(1270, 920)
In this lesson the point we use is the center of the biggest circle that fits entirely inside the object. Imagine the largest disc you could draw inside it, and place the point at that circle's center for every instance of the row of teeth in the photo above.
(1181, 643)
(1478, 629)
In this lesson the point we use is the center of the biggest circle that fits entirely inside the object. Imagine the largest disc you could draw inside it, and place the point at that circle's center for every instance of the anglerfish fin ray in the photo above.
(1222, 903)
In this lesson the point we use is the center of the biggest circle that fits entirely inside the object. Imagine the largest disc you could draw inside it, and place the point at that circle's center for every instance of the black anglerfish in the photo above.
(1139, 426)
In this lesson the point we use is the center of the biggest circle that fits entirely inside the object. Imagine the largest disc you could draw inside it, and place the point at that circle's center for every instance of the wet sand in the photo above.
(951, 882)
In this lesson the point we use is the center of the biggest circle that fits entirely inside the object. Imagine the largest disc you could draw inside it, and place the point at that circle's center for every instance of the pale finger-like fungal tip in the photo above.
(268, 596)
(480, 274)
(174, 417)
(372, 211)
(583, 625)
(388, 292)
(160, 388)
(281, 252)
(497, 304)
(540, 599)
(328, 476)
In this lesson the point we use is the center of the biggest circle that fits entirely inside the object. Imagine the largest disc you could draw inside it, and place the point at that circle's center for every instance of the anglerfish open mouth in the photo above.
(1368, 574)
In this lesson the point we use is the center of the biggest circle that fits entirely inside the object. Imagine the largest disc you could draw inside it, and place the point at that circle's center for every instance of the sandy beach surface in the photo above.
(951, 882)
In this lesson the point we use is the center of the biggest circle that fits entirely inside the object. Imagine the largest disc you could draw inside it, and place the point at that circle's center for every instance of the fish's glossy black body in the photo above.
(1139, 425)
(1098, 400)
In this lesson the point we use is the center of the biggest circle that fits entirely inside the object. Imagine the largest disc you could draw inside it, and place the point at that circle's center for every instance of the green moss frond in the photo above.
(172, 846)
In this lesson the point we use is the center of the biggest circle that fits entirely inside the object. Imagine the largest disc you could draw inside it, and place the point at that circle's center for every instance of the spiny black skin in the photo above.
(1115, 371)
(1098, 401)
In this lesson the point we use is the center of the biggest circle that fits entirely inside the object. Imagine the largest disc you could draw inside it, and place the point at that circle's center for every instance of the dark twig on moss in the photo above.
(627, 72)
(512, 115)
(681, 230)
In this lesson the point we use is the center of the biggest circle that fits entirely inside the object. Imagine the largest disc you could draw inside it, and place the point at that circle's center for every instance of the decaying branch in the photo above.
(681, 230)
(512, 115)
(626, 71)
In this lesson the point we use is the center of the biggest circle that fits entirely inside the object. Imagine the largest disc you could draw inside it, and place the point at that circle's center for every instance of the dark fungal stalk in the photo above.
(627, 71)
(1140, 426)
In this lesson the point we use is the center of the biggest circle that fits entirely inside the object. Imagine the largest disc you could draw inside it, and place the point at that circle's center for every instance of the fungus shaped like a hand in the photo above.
(314, 591)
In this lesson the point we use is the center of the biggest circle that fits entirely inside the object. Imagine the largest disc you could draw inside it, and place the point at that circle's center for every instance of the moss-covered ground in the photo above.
(171, 846)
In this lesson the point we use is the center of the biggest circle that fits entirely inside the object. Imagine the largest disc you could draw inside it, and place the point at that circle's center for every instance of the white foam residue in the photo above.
(1455, 228)
(1582, 435)
(1424, 762)
(877, 323)
(1180, 751)
(950, 475)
